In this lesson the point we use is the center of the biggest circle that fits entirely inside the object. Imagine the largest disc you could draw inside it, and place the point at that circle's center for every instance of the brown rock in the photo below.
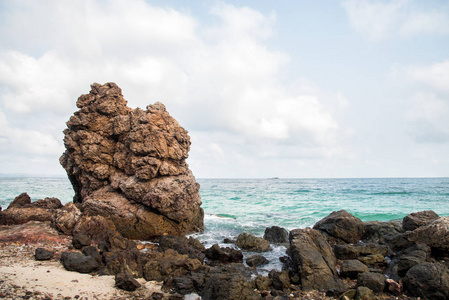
(342, 226)
(418, 219)
(20, 201)
(129, 166)
(435, 234)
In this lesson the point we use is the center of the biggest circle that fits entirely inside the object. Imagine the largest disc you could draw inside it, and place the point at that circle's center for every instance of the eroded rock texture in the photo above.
(129, 166)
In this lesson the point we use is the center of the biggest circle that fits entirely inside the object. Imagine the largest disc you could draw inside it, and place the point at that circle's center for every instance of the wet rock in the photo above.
(190, 246)
(80, 240)
(256, 260)
(342, 226)
(313, 260)
(250, 242)
(352, 268)
(78, 262)
(126, 282)
(43, 254)
(276, 235)
(373, 281)
(428, 280)
(129, 166)
(418, 219)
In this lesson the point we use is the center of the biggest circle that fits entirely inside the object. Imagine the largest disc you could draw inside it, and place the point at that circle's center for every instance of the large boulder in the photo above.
(435, 235)
(250, 242)
(428, 280)
(418, 219)
(342, 226)
(129, 166)
(276, 235)
(313, 260)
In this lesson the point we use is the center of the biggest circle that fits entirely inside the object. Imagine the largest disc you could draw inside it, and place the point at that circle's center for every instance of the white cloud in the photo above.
(378, 20)
(221, 77)
(435, 76)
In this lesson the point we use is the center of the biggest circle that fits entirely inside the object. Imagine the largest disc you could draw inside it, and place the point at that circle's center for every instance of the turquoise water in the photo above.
(233, 206)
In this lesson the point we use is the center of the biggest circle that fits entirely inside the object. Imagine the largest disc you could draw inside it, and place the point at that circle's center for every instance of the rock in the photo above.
(348, 251)
(351, 268)
(376, 232)
(78, 262)
(279, 280)
(228, 282)
(428, 280)
(250, 242)
(129, 166)
(373, 260)
(22, 215)
(93, 251)
(66, 218)
(342, 226)
(22, 200)
(393, 287)
(276, 235)
(126, 282)
(373, 281)
(48, 203)
(418, 219)
(313, 260)
(435, 235)
(263, 283)
(223, 255)
(364, 293)
(43, 254)
(129, 261)
(169, 263)
(190, 246)
(412, 256)
(81, 240)
(256, 260)
(98, 228)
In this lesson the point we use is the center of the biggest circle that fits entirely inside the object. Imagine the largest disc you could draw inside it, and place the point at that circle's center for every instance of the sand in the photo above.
(23, 277)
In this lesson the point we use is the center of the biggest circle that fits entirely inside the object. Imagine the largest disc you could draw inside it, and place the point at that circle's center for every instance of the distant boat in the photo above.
(274, 178)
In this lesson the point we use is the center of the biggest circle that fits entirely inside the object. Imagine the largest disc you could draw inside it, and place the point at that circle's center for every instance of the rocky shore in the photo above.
(341, 257)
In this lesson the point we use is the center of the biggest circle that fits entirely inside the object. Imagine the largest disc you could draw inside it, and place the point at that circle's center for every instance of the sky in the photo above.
(292, 89)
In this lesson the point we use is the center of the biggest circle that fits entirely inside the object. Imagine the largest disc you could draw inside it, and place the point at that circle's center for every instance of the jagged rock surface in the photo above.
(129, 166)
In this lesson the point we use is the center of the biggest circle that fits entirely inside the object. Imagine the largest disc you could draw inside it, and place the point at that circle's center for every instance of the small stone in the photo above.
(126, 281)
(256, 260)
(43, 254)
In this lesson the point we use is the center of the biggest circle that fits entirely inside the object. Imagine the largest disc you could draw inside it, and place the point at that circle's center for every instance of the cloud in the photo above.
(218, 77)
(378, 20)
(435, 76)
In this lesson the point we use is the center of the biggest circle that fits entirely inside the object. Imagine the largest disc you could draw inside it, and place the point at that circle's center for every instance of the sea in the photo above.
(233, 206)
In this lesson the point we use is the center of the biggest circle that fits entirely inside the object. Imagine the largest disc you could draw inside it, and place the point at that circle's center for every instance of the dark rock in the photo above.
(250, 242)
(352, 268)
(183, 285)
(190, 246)
(393, 287)
(126, 282)
(157, 296)
(20, 201)
(418, 219)
(349, 251)
(412, 256)
(225, 283)
(364, 293)
(48, 203)
(342, 226)
(129, 166)
(373, 281)
(93, 251)
(276, 235)
(256, 260)
(376, 232)
(81, 240)
(435, 235)
(313, 260)
(129, 260)
(279, 280)
(78, 262)
(169, 263)
(428, 280)
(263, 283)
(43, 254)
(224, 255)
(228, 241)
(398, 242)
